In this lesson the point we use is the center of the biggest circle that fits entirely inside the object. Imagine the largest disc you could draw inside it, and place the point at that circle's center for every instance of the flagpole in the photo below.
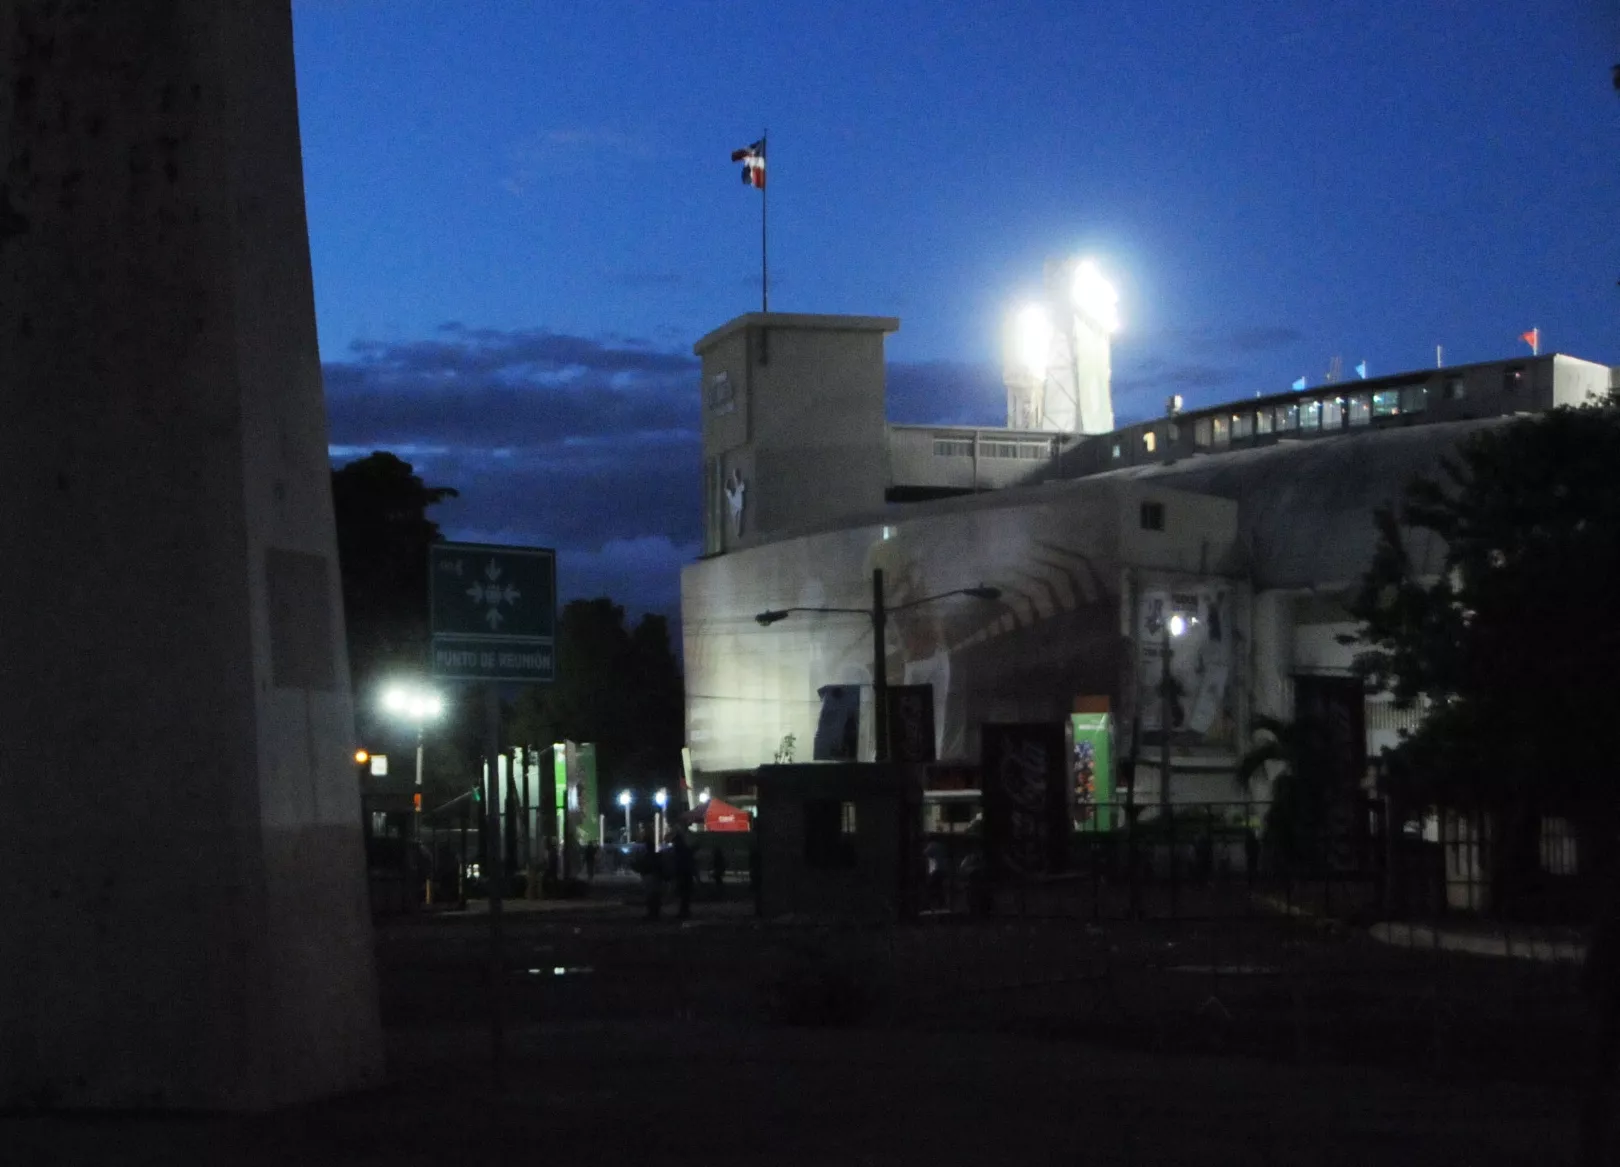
(764, 202)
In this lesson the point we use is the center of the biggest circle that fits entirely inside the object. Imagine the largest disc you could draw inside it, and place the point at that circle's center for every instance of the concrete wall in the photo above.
(807, 431)
(185, 902)
(1057, 632)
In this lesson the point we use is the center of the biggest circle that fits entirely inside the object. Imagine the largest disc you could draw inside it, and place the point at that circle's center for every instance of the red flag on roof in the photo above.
(1533, 339)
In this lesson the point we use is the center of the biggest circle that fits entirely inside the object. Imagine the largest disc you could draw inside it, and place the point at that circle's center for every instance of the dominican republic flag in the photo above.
(753, 160)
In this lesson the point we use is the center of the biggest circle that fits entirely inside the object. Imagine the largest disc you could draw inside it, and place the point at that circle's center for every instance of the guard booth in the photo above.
(841, 840)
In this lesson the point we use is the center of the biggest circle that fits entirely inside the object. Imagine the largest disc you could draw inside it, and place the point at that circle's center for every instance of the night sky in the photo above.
(522, 214)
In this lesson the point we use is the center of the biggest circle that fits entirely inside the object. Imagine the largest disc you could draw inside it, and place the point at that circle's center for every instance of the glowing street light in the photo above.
(420, 706)
(661, 797)
(1175, 627)
(625, 800)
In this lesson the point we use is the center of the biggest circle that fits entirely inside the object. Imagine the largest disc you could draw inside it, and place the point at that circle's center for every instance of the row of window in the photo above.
(963, 448)
(1312, 415)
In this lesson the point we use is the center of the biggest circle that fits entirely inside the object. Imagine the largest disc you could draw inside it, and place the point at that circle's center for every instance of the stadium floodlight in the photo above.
(1032, 339)
(1094, 297)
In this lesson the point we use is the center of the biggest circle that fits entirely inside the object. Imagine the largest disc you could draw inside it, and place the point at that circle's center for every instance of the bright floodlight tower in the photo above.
(1058, 369)
(182, 878)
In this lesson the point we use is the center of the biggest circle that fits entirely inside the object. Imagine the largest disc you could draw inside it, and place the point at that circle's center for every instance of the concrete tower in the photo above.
(183, 909)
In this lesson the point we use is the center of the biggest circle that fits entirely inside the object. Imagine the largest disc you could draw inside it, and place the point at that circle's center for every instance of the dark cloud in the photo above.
(945, 393)
(487, 388)
(587, 445)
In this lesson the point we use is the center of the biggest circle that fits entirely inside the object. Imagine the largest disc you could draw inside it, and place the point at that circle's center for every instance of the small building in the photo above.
(841, 840)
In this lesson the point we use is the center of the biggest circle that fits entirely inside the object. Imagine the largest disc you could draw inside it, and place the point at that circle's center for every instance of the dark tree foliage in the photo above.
(1299, 819)
(383, 535)
(617, 686)
(1511, 650)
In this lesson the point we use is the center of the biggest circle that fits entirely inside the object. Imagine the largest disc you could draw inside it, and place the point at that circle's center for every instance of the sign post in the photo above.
(493, 617)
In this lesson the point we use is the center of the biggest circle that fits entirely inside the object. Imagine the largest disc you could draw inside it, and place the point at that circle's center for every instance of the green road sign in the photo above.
(493, 612)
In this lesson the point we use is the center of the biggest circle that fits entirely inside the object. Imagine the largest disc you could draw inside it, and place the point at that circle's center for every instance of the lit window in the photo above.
(1360, 409)
(1262, 422)
(1287, 418)
(1202, 435)
(1333, 413)
(1242, 425)
(1386, 403)
(1116, 449)
(1310, 415)
(1222, 430)
(1414, 399)
(1149, 441)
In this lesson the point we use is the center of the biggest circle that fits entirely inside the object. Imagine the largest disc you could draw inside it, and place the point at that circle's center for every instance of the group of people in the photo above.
(674, 863)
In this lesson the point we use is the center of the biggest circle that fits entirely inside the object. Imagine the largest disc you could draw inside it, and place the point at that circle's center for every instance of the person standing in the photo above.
(590, 860)
(652, 878)
(717, 866)
(684, 864)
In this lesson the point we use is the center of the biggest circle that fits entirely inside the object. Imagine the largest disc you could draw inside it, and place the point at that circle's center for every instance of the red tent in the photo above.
(722, 816)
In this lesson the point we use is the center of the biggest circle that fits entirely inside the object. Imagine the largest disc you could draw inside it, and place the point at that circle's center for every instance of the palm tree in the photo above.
(1297, 822)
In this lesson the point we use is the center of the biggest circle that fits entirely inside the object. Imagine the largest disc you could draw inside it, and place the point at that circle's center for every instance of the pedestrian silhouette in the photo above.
(684, 865)
(717, 865)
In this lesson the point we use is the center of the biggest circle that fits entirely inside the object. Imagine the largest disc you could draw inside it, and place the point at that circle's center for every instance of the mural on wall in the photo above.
(1054, 631)
(1194, 621)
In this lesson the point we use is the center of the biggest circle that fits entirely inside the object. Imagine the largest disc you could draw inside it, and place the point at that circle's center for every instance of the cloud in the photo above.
(587, 445)
(945, 393)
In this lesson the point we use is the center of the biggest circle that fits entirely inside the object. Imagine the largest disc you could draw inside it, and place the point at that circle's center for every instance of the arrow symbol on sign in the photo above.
(494, 618)
(493, 571)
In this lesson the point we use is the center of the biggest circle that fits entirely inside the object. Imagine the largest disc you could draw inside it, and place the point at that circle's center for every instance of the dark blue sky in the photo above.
(522, 214)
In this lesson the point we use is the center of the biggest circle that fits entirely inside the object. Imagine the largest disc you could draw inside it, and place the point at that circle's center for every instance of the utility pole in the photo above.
(1166, 720)
(880, 671)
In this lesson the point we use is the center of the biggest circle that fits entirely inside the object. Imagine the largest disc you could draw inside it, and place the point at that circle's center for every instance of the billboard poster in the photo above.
(1026, 779)
(911, 723)
(1093, 765)
(1201, 659)
(838, 730)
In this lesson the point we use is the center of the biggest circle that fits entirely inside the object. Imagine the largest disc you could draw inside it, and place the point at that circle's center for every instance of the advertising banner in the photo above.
(1193, 622)
(1026, 779)
(911, 723)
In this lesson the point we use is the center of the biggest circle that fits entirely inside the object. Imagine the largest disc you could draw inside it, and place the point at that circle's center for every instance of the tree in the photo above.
(618, 687)
(383, 535)
(1299, 819)
(1509, 649)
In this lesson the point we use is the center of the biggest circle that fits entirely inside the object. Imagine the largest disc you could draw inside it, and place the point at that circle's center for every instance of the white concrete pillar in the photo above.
(182, 887)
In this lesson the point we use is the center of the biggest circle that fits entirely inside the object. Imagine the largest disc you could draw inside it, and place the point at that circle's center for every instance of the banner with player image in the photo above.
(1194, 623)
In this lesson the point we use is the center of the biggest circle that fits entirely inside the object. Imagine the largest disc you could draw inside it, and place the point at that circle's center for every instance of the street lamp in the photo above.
(661, 797)
(879, 613)
(625, 800)
(419, 706)
(1176, 626)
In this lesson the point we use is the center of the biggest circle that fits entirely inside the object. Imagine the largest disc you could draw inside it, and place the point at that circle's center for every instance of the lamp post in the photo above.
(662, 799)
(1176, 625)
(879, 615)
(625, 801)
(419, 706)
